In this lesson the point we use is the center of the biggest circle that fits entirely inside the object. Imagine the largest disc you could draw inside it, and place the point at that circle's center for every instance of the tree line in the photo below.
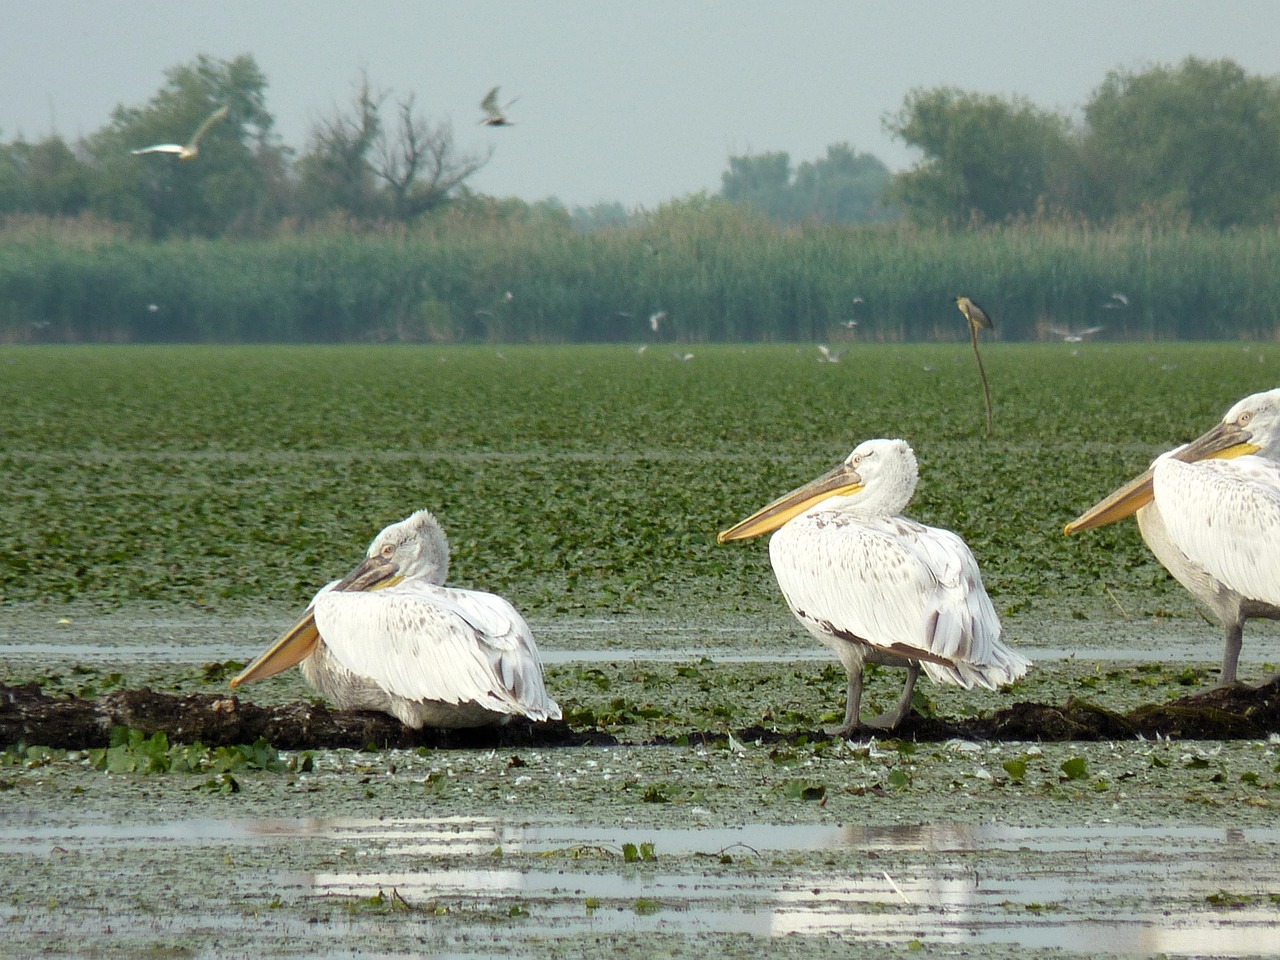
(1193, 144)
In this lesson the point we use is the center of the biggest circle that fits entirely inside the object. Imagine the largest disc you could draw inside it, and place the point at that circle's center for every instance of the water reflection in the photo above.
(1098, 889)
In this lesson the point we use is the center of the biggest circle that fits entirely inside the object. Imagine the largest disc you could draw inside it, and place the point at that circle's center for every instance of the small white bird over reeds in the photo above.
(191, 149)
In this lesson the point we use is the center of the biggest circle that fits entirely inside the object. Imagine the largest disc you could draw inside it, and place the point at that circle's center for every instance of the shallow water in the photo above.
(1100, 888)
(1162, 848)
(146, 636)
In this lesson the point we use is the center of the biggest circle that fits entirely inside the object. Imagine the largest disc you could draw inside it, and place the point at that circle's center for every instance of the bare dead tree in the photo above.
(421, 165)
(336, 170)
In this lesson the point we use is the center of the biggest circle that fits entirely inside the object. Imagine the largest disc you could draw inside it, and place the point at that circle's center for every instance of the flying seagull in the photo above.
(190, 150)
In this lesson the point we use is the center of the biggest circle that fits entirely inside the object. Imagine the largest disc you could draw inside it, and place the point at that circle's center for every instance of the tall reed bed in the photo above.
(719, 272)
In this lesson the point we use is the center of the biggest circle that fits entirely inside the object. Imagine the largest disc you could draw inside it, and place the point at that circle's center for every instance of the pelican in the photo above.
(190, 150)
(388, 636)
(875, 586)
(495, 115)
(1210, 512)
(655, 320)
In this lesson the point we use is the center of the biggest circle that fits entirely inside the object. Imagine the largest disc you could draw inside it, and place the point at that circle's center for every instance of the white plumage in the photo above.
(874, 586)
(191, 149)
(428, 654)
(1210, 512)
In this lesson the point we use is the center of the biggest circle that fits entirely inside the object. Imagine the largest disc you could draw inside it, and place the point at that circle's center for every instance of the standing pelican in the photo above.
(389, 637)
(875, 586)
(191, 149)
(1210, 512)
(495, 116)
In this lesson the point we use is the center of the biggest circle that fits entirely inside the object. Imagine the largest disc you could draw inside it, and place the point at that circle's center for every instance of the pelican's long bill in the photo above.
(298, 642)
(843, 480)
(1224, 441)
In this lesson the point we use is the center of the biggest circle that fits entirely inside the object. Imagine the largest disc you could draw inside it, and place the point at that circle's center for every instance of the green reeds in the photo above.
(721, 273)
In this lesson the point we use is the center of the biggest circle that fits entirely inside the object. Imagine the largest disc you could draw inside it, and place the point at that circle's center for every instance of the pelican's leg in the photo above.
(1231, 653)
(891, 718)
(853, 702)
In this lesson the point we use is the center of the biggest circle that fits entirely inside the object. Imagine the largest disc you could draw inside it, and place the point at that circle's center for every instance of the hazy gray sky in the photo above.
(637, 102)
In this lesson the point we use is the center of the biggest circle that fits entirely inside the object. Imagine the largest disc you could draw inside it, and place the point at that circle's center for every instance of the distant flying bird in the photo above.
(1116, 301)
(675, 355)
(829, 355)
(1076, 336)
(655, 320)
(1210, 512)
(192, 149)
(390, 637)
(495, 116)
(876, 587)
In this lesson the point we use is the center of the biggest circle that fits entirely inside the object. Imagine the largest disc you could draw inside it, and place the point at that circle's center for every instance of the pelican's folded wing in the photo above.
(1224, 515)
(424, 642)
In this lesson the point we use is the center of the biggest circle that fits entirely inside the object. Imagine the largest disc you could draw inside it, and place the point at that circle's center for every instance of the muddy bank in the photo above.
(31, 716)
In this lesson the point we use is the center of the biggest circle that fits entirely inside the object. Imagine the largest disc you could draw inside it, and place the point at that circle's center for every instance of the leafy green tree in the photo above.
(983, 155)
(46, 178)
(762, 180)
(843, 187)
(219, 191)
(600, 216)
(1200, 141)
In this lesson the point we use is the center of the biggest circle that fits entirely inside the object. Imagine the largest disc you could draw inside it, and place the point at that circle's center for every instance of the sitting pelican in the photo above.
(1210, 512)
(191, 150)
(875, 586)
(495, 116)
(389, 637)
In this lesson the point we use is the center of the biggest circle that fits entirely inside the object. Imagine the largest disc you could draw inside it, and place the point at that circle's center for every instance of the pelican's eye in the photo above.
(388, 550)
(1245, 417)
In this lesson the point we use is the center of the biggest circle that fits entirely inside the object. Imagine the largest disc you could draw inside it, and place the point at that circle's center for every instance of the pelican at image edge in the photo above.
(1210, 512)
(390, 637)
(876, 587)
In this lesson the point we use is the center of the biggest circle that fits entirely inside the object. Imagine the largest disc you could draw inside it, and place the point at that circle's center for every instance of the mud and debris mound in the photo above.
(28, 715)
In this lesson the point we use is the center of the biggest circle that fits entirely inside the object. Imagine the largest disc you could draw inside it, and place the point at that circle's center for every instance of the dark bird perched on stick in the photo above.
(977, 318)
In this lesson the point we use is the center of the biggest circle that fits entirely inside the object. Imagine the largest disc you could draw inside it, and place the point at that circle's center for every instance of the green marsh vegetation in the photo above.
(576, 480)
(722, 272)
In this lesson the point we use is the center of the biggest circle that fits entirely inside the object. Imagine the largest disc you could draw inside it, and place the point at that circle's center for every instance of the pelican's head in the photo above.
(1251, 426)
(876, 479)
(414, 548)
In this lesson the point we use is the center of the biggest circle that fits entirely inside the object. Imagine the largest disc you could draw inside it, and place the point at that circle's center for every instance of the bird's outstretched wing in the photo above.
(160, 148)
(425, 642)
(209, 121)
